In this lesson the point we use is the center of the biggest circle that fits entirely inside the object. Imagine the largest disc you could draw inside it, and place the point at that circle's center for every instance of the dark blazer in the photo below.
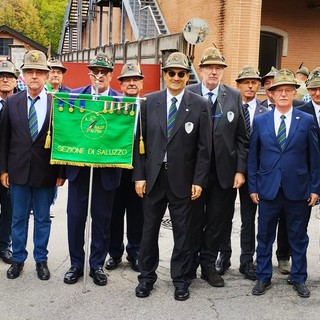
(64, 89)
(260, 109)
(110, 177)
(296, 168)
(229, 135)
(188, 149)
(22, 158)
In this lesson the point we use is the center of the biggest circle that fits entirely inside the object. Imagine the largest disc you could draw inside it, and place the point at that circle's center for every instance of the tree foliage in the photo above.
(39, 20)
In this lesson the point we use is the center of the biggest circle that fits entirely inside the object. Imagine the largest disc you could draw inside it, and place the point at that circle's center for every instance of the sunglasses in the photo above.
(181, 74)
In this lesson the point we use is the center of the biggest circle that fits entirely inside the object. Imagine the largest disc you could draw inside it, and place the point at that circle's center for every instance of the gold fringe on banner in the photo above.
(86, 164)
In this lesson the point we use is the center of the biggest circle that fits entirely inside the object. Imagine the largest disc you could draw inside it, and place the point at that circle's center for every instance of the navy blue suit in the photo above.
(105, 181)
(283, 181)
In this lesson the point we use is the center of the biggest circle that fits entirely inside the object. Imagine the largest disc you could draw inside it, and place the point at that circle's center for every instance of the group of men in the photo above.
(199, 186)
(25, 163)
(201, 143)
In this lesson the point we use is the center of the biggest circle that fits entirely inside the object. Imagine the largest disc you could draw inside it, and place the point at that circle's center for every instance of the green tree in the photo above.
(39, 20)
(52, 13)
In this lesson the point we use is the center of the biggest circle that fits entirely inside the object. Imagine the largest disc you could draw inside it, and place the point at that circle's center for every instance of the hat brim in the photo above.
(131, 76)
(179, 66)
(313, 84)
(35, 66)
(211, 62)
(9, 71)
(99, 66)
(244, 78)
(281, 83)
(63, 69)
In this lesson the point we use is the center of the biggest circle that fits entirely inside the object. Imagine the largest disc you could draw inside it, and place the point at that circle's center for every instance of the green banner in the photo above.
(95, 131)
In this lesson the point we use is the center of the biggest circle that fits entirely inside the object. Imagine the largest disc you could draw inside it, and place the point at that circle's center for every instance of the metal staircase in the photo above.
(147, 22)
(69, 40)
(145, 18)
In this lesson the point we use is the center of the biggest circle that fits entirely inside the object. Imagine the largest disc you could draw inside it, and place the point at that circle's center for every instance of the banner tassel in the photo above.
(141, 146)
(47, 144)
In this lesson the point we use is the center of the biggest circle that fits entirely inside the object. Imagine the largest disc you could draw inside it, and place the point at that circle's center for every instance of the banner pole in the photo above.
(87, 234)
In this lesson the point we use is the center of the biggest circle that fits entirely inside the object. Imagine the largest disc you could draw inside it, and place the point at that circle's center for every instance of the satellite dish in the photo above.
(196, 31)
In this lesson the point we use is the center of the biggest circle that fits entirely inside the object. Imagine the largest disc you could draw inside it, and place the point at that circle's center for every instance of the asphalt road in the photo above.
(29, 298)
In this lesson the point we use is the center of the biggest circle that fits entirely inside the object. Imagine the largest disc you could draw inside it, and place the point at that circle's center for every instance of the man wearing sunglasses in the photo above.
(228, 168)
(176, 130)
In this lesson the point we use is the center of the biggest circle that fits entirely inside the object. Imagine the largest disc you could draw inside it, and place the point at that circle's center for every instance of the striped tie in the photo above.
(210, 94)
(172, 116)
(247, 117)
(33, 120)
(282, 136)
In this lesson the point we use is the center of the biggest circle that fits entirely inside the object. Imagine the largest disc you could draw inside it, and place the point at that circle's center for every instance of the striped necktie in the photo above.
(33, 120)
(282, 135)
(247, 117)
(210, 94)
(172, 116)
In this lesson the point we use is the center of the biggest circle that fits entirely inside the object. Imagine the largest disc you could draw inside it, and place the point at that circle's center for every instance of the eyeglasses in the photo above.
(181, 74)
(100, 71)
(311, 90)
(286, 91)
(8, 76)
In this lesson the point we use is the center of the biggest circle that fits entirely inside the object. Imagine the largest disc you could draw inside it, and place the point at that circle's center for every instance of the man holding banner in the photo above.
(105, 181)
(177, 128)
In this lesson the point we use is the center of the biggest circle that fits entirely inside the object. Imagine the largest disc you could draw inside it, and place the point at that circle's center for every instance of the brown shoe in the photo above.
(212, 277)
(284, 266)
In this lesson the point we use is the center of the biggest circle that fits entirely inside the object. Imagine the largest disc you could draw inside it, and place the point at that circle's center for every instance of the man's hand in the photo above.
(239, 180)
(313, 199)
(140, 187)
(60, 182)
(255, 197)
(195, 192)
(5, 179)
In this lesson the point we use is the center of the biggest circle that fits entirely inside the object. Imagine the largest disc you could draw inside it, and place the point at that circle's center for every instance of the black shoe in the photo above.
(6, 256)
(290, 280)
(302, 290)
(99, 277)
(181, 294)
(72, 275)
(222, 266)
(14, 270)
(112, 263)
(248, 270)
(133, 263)
(143, 289)
(213, 278)
(261, 287)
(42, 270)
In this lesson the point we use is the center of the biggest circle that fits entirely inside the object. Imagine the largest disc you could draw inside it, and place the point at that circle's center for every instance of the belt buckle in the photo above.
(165, 165)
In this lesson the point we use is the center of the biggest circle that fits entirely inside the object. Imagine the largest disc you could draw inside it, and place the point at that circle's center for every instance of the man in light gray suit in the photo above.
(228, 166)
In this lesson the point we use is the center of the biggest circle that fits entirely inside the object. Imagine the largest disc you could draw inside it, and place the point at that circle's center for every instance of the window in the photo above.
(269, 52)
(4, 46)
